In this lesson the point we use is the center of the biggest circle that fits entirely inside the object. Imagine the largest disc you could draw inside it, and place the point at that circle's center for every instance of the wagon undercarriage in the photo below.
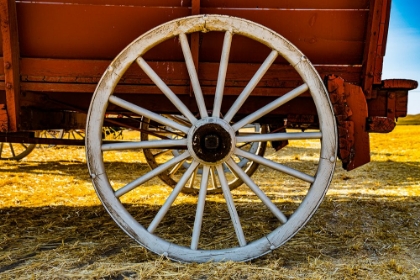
(209, 99)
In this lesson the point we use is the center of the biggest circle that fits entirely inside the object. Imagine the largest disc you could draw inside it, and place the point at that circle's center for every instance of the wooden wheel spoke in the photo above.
(279, 137)
(221, 78)
(161, 153)
(250, 86)
(166, 90)
(231, 206)
(241, 159)
(151, 174)
(213, 178)
(270, 107)
(24, 146)
(275, 165)
(146, 113)
(176, 167)
(243, 145)
(162, 132)
(193, 75)
(80, 134)
(200, 207)
(153, 144)
(164, 209)
(12, 150)
(178, 119)
(192, 179)
(261, 195)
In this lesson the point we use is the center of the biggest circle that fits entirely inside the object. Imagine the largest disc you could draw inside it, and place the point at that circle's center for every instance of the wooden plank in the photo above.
(9, 31)
(324, 36)
(285, 4)
(90, 71)
(90, 31)
(4, 120)
(195, 10)
(144, 89)
(145, 3)
(288, 4)
(77, 31)
(376, 37)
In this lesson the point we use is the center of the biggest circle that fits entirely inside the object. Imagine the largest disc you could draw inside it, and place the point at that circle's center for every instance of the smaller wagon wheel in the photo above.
(53, 134)
(69, 134)
(156, 157)
(236, 227)
(15, 151)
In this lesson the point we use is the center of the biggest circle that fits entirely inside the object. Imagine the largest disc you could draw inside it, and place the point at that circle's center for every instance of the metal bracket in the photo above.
(350, 110)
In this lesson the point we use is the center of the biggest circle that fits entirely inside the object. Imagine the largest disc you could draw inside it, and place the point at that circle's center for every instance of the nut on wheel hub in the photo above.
(211, 140)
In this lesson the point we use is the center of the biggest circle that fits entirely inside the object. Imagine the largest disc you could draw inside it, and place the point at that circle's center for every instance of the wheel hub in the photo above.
(211, 140)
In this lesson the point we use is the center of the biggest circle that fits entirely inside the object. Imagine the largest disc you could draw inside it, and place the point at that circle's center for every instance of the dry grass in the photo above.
(53, 225)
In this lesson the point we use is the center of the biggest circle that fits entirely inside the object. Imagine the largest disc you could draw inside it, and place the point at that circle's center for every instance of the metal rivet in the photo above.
(272, 247)
(93, 176)
(7, 65)
(332, 159)
(165, 254)
(9, 85)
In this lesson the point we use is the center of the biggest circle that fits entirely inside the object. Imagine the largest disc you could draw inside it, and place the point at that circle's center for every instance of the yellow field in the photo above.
(53, 225)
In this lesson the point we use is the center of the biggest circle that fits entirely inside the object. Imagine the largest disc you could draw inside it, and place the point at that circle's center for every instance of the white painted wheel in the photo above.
(208, 234)
(16, 151)
(157, 157)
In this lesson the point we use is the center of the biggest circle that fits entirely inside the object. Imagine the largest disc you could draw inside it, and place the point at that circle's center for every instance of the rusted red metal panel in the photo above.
(357, 102)
(380, 124)
(351, 112)
(10, 43)
(399, 84)
(389, 103)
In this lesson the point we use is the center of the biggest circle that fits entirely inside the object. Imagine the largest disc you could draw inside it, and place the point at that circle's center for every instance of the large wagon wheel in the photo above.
(210, 142)
(16, 151)
(156, 157)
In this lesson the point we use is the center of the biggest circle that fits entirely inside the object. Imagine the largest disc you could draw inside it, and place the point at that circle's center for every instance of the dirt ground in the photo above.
(368, 226)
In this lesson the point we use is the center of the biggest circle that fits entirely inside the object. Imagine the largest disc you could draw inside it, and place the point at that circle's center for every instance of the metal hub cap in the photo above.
(211, 141)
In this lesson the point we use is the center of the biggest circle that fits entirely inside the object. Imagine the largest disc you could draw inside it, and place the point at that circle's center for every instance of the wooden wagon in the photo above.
(209, 87)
